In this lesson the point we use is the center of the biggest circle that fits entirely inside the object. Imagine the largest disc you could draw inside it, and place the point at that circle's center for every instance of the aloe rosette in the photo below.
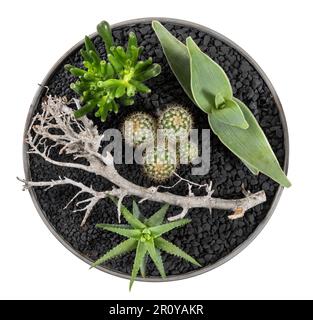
(145, 237)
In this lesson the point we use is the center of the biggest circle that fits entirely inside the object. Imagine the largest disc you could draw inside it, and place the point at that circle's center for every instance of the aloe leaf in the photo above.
(156, 257)
(170, 248)
(124, 247)
(208, 79)
(250, 145)
(177, 56)
(129, 233)
(105, 33)
(140, 255)
(136, 210)
(231, 114)
(158, 217)
(129, 217)
(157, 231)
(143, 266)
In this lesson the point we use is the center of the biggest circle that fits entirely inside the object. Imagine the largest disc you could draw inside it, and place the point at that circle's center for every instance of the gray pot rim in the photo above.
(40, 92)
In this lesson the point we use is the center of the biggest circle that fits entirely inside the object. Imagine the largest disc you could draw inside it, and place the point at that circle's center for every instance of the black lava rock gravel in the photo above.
(208, 238)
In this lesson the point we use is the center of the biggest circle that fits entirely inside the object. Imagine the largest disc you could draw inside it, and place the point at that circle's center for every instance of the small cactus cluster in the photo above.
(161, 162)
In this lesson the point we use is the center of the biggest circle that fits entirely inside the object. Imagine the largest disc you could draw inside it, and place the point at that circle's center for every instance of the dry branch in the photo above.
(81, 139)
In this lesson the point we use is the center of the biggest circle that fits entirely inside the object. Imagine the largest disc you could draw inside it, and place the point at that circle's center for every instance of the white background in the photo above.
(277, 34)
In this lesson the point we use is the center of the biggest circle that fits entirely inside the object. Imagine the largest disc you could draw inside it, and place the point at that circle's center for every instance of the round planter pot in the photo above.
(211, 239)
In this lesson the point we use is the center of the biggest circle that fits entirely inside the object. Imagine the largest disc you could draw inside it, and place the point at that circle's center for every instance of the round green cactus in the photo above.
(187, 152)
(160, 164)
(176, 120)
(139, 128)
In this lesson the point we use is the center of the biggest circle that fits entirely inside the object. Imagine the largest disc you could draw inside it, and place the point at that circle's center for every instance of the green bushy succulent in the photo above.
(139, 128)
(104, 85)
(144, 236)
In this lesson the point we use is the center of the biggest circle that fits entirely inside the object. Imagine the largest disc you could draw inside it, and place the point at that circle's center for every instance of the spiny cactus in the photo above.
(176, 120)
(139, 128)
(103, 85)
(187, 152)
(160, 163)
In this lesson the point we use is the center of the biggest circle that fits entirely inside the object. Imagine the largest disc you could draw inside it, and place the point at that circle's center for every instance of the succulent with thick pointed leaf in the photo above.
(104, 85)
(144, 236)
(207, 85)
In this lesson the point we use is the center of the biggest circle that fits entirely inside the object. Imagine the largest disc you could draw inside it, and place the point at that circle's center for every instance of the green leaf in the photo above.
(85, 55)
(132, 41)
(129, 217)
(208, 79)
(134, 53)
(122, 248)
(157, 231)
(77, 72)
(250, 145)
(105, 33)
(117, 65)
(95, 58)
(177, 56)
(219, 101)
(143, 266)
(251, 168)
(231, 114)
(127, 101)
(158, 217)
(142, 65)
(170, 248)
(140, 255)
(121, 53)
(136, 210)
(129, 233)
(111, 83)
(120, 91)
(156, 257)
(89, 45)
(88, 107)
(150, 72)
(141, 87)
